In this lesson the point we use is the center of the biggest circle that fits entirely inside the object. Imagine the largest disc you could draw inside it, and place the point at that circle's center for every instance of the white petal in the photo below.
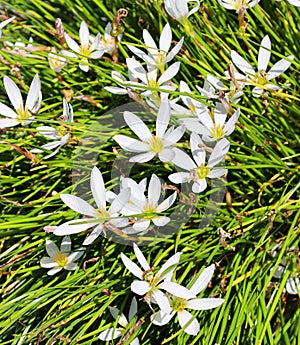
(65, 246)
(132, 309)
(51, 248)
(137, 126)
(184, 317)
(204, 303)
(130, 144)
(140, 287)
(264, 54)
(183, 160)
(166, 155)
(71, 266)
(174, 51)
(84, 65)
(198, 152)
(120, 201)
(33, 100)
(47, 262)
(177, 290)
(4, 123)
(93, 236)
(131, 266)
(163, 118)
(142, 158)
(72, 44)
(76, 255)
(137, 70)
(73, 227)
(169, 73)
(161, 318)
(180, 177)
(167, 203)
(110, 334)
(279, 67)
(175, 135)
(84, 34)
(77, 204)
(167, 269)
(98, 188)
(293, 286)
(161, 220)
(13, 93)
(203, 279)
(241, 63)
(215, 173)
(116, 90)
(6, 111)
(140, 256)
(154, 190)
(54, 270)
(149, 41)
(165, 38)
(116, 313)
(229, 126)
(141, 225)
(200, 186)
(158, 297)
(219, 152)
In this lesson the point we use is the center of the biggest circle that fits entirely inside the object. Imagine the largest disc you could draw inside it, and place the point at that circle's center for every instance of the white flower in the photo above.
(59, 259)
(179, 10)
(157, 57)
(238, 5)
(179, 305)
(150, 145)
(212, 128)
(151, 284)
(293, 2)
(85, 50)
(95, 216)
(113, 333)
(56, 62)
(59, 133)
(109, 42)
(198, 172)
(4, 23)
(260, 79)
(21, 115)
(149, 207)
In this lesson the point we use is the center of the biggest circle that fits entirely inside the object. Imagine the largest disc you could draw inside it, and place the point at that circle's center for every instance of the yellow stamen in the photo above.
(156, 144)
(202, 171)
(61, 259)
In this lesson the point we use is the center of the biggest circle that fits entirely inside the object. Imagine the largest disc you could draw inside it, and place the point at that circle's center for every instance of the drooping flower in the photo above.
(60, 134)
(150, 208)
(150, 145)
(150, 284)
(179, 305)
(198, 170)
(113, 333)
(60, 258)
(238, 5)
(157, 57)
(260, 79)
(108, 41)
(179, 10)
(4, 23)
(85, 50)
(212, 128)
(56, 61)
(22, 115)
(94, 216)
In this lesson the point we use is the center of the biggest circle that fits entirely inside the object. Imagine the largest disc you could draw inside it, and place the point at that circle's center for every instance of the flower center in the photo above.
(23, 115)
(178, 304)
(202, 171)
(260, 78)
(61, 131)
(102, 215)
(156, 144)
(85, 51)
(217, 131)
(150, 211)
(61, 259)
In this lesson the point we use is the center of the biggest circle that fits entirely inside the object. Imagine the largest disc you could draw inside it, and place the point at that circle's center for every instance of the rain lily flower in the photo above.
(150, 284)
(149, 207)
(179, 10)
(212, 128)
(4, 23)
(60, 134)
(56, 62)
(85, 50)
(150, 145)
(238, 5)
(95, 216)
(61, 258)
(179, 305)
(260, 79)
(113, 333)
(109, 42)
(198, 170)
(157, 57)
(22, 115)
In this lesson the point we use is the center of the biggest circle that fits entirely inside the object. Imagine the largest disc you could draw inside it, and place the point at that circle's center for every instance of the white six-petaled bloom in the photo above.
(60, 134)
(95, 216)
(150, 208)
(150, 284)
(157, 57)
(179, 9)
(113, 333)
(60, 258)
(56, 61)
(260, 79)
(198, 170)
(212, 128)
(4, 23)
(108, 41)
(238, 5)
(85, 50)
(160, 144)
(179, 305)
(22, 115)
